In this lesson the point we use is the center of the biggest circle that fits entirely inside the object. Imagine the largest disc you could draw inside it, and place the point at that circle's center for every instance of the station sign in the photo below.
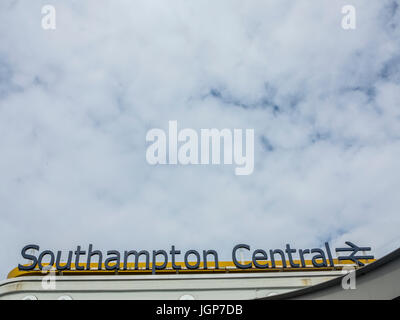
(289, 257)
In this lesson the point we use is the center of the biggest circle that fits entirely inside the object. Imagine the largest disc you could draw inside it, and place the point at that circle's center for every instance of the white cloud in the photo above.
(76, 103)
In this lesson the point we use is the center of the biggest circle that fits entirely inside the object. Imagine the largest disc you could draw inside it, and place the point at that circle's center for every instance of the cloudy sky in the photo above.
(76, 104)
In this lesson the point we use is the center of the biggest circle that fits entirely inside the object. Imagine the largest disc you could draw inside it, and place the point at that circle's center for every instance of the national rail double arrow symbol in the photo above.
(354, 248)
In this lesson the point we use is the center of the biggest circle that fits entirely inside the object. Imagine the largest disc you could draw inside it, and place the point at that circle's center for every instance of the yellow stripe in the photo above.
(224, 266)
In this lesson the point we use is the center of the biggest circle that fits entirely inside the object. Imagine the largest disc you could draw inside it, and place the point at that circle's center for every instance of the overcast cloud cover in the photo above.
(76, 104)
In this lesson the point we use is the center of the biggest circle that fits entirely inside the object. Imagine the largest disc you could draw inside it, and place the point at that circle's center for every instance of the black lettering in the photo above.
(302, 253)
(173, 252)
(235, 261)
(28, 257)
(321, 255)
(67, 266)
(78, 253)
(272, 255)
(187, 264)
(215, 254)
(328, 251)
(289, 252)
(154, 262)
(115, 260)
(92, 253)
(42, 255)
(256, 258)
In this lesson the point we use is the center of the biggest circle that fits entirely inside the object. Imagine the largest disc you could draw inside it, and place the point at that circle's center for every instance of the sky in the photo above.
(76, 104)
